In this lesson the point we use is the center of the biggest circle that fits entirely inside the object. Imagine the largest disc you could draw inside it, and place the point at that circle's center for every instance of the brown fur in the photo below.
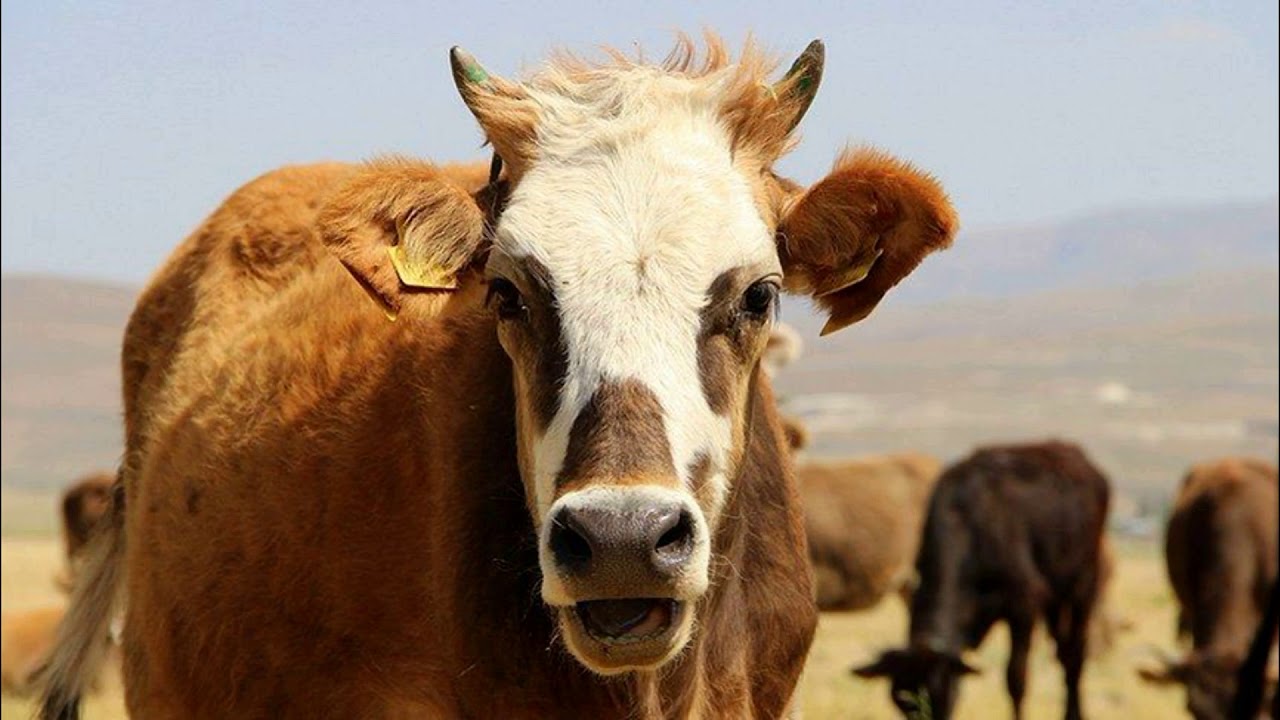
(1221, 550)
(618, 438)
(888, 206)
(863, 520)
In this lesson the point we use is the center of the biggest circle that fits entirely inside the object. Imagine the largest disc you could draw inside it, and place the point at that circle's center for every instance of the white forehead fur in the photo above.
(634, 206)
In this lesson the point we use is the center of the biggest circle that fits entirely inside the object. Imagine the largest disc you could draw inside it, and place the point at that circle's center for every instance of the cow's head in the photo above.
(1211, 682)
(924, 680)
(632, 255)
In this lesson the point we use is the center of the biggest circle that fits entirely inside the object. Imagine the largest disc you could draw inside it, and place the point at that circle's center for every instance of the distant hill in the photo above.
(1107, 249)
(60, 379)
(1150, 335)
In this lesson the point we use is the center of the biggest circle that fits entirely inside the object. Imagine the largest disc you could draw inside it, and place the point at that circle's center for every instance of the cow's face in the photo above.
(1210, 681)
(632, 257)
(635, 284)
(923, 681)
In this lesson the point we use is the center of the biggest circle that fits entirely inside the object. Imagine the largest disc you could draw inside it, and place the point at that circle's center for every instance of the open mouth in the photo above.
(633, 620)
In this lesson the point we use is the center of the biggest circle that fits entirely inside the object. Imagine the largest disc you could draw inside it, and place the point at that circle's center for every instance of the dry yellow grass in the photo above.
(1111, 688)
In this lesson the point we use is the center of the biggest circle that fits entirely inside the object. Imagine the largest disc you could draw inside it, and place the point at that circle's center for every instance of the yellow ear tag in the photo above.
(418, 275)
(431, 277)
(852, 276)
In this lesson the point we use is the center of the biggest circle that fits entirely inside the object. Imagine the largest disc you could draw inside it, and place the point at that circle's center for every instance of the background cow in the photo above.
(27, 636)
(1013, 533)
(1220, 547)
(862, 521)
(560, 461)
(83, 504)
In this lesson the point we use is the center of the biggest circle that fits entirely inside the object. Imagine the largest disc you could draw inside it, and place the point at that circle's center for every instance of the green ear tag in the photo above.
(475, 73)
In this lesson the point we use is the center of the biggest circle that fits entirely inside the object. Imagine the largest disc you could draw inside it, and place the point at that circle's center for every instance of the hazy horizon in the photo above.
(124, 126)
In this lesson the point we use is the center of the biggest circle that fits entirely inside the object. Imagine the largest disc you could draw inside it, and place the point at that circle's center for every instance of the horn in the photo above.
(800, 84)
(504, 109)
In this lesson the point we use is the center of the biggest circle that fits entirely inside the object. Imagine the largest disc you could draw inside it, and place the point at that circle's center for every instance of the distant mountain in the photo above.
(1151, 335)
(60, 379)
(1108, 249)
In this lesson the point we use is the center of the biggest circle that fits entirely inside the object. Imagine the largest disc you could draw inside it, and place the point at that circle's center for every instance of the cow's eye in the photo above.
(504, 297)
(760, 298)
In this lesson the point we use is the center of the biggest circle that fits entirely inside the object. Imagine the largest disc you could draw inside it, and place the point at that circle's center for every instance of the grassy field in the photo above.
(1112, 690)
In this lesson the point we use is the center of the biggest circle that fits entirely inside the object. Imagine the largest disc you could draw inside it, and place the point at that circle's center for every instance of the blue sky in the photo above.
(125, 124)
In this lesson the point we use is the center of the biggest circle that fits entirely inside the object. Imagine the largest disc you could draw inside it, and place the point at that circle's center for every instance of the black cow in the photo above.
(1013, 533)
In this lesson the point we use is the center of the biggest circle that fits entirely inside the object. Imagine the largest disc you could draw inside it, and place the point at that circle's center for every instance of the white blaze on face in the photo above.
(634, 207)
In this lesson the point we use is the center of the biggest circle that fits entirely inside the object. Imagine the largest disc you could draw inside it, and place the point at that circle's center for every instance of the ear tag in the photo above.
(418, 275)
(852, 276)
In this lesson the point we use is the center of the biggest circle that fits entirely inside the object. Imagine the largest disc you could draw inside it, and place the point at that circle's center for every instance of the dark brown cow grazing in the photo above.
(555, 485)
(1013, 533)
(862, 521)
(1221, 551)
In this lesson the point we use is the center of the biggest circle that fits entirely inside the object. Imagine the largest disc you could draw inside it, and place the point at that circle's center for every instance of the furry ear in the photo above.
(399, 225)
(852, 236)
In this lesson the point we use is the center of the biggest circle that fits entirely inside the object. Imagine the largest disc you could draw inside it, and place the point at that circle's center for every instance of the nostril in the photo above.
(676, 542)
(571, 550)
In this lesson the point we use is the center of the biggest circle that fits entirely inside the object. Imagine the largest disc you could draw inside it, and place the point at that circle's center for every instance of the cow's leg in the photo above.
(1070, 633)
(1020, 647)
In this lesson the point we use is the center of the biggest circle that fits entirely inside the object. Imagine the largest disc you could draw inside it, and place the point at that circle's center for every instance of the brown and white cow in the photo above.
(862, 519)
(1221, 551)
(563, 441)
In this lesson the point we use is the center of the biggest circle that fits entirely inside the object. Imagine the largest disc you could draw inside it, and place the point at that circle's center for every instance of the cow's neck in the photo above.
(942, 619)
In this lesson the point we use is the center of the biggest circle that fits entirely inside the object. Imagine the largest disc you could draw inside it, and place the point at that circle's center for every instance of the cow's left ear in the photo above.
(849, 238)
(400, 226)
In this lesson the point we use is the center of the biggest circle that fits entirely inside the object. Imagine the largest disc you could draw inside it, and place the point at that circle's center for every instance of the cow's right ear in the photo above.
(400, 226)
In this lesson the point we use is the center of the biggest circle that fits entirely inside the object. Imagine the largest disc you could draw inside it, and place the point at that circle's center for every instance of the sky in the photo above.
(124, 124)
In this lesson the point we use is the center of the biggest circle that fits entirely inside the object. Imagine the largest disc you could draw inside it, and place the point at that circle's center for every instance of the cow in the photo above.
(862, 522)
(83, 504)
(1221, 556)
(1012, 533)
(27, 635)
(541, 474)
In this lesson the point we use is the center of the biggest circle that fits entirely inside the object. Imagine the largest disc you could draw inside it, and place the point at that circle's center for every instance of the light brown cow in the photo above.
(863, 520)
(558, 469)
(1221, 551)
